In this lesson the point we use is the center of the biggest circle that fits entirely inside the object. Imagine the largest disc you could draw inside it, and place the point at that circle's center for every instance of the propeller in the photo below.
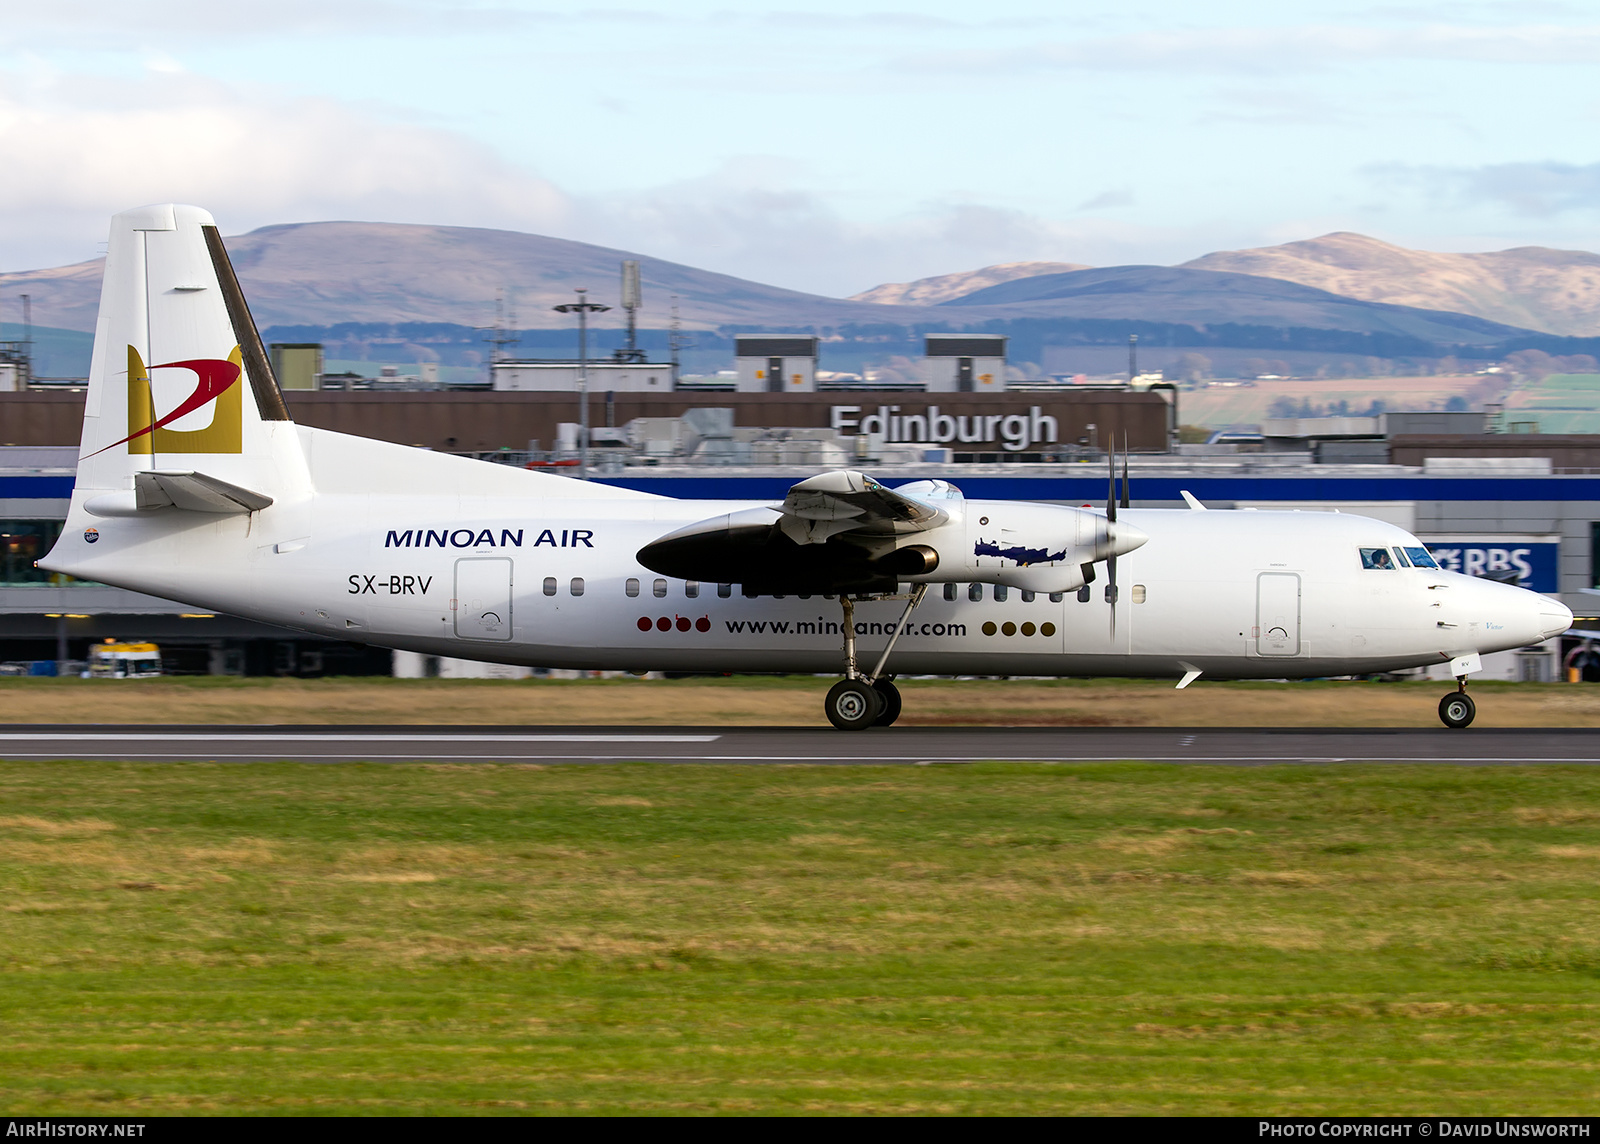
(1111, 518)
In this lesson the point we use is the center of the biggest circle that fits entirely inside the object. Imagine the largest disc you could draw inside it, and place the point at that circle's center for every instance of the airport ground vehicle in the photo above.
(124, 661)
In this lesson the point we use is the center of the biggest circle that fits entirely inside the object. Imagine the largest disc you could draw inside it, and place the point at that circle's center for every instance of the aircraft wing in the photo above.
(842, 502)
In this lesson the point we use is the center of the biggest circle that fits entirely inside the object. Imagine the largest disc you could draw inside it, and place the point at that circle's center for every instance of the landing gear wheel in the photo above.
(889, 700)
(1457, 709)
(852, 705)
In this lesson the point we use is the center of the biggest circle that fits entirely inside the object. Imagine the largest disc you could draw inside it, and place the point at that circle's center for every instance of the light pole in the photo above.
(583, 308)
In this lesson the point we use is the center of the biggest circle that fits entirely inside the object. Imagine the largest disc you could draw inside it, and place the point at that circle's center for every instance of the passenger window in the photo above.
(724, 591)
(691, 588)
(1056, 598)
(1000, 593)
(1138, 594)
(632, 586)
(1027, 596)
(1421, 558)
(577, 585)
(549, 585)
(950, 592)
(659, 588)
(1377, 559)
(975, 593)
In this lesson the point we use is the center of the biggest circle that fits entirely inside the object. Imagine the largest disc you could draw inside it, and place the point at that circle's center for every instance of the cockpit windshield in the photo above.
(1420, 558)
(1377, 558)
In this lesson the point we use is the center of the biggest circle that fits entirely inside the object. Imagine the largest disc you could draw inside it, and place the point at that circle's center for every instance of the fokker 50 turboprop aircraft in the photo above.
(193, 484)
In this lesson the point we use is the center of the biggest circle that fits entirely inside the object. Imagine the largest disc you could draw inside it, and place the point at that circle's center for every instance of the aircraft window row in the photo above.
(551, 586)
(658, 588)
(952, 593)
(1383, 560)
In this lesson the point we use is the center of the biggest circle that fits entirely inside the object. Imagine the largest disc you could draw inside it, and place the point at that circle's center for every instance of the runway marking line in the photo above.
(337, 737)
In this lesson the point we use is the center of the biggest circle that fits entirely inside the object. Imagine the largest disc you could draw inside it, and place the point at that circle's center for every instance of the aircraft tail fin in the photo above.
(180, 383)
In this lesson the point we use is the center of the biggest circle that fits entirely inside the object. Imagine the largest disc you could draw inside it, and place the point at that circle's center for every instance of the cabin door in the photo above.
(483, 598)
(1278, 613)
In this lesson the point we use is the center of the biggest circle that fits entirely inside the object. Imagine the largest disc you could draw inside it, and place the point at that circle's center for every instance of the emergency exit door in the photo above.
(1278, 613)
(483, 598)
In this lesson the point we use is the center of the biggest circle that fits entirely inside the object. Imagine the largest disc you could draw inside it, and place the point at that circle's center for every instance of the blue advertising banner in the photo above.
(1536, 560)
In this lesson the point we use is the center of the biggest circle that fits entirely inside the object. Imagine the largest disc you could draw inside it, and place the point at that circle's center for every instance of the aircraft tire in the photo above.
(1457, 710)
(852, 705)
(889, 699)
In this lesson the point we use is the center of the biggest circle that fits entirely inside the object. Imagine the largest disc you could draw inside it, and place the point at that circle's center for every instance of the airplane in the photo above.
(194, 484)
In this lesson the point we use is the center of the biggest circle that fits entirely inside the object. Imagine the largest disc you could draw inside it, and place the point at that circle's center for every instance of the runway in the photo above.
(796, 745)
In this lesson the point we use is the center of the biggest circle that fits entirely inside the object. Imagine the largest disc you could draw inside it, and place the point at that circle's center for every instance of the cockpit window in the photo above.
(1400, 555)
(1377, 558)
(1420, 558)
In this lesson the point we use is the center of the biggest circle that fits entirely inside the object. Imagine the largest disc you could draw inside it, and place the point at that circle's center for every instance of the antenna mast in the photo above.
(677, 340)
(501, 334)
(632, 296)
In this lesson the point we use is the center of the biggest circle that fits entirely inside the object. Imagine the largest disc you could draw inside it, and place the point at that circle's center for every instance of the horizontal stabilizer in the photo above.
(186, 491)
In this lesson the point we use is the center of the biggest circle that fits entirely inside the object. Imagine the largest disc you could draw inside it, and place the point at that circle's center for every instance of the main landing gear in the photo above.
(859, 701)
(1457, 709)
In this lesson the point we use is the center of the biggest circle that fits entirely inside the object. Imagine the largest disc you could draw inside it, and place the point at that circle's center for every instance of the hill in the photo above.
(947, 287)
(328, 272)
(1557, 291)
(317, 277)
(1204, 298)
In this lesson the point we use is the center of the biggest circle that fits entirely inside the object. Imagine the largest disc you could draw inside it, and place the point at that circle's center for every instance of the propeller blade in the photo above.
(1124, 470)
(1111, 591)
(1111, 483)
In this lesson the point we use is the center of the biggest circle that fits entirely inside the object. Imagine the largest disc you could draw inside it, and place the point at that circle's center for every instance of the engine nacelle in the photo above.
(1034, 547)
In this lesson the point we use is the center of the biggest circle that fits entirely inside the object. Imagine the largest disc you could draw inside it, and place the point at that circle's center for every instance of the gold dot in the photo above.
(1009, 628)
(1047, 629)
(988, 627)
(1027, 629)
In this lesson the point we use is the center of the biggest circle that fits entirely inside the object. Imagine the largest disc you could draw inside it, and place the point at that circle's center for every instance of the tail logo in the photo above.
(217, 383)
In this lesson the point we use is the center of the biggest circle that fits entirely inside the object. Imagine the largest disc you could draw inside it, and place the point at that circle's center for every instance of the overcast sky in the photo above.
(825, 145)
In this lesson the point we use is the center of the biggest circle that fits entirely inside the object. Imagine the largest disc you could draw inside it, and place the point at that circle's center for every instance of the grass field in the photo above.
(779, 700)
(1219, 407)
(983, 939)
(1560, 403)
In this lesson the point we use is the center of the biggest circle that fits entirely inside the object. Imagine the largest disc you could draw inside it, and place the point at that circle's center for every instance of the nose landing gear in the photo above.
(860, 700)
(1457, 710)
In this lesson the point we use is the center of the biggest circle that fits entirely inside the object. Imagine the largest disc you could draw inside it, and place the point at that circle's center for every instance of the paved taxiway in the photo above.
(899, 745)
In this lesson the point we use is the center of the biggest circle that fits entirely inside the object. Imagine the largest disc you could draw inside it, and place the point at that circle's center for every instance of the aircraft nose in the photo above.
(1554, 617)
(1125, 537)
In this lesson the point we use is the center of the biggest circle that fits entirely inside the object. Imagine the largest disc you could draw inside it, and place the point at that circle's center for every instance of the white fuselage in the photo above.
(521, 575)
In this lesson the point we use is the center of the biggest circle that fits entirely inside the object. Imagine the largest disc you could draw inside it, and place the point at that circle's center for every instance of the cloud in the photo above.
(1536, 190)
(78, 149)
(1277, 49)
(102, 24)
(1105, 200)
(740, 220)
